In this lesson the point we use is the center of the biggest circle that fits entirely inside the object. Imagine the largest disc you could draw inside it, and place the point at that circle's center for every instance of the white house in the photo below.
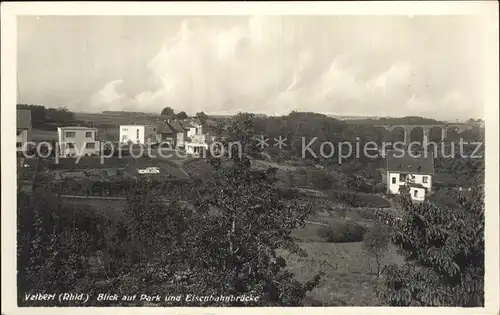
(23, 129)
(78, 141)
(198, 144)
(193, 127)
(417, 172)
(140, 134)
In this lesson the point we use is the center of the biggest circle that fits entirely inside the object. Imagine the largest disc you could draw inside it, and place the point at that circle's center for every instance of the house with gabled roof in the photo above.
(173, 132)
(413, 169)
(193, 126)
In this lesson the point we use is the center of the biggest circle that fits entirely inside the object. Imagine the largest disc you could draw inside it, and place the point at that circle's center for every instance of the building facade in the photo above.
(193, 126)
(78, 141)
(23, 129)
(416, 172)
(180, 132)
(139, 134)
(198, 144)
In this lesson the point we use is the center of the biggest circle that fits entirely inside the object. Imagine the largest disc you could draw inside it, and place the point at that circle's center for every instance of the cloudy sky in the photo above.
(346, 65)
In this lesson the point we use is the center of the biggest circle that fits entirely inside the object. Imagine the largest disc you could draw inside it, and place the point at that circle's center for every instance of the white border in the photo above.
(488, 10)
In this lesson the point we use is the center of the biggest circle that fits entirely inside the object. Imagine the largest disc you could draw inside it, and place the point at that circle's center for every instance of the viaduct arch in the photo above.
(426, 130)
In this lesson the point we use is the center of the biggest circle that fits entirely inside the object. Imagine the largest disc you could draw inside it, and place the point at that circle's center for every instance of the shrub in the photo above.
(376, 243)
(379, 188)
(342, 231)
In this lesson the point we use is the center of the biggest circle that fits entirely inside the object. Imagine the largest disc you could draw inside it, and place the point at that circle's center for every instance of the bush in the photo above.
(379, 188)
(343, 231)
(376, 243)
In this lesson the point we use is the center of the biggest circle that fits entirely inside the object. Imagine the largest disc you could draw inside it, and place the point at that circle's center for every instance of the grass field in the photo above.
(115, 118)
(43, 135)
(347, 272)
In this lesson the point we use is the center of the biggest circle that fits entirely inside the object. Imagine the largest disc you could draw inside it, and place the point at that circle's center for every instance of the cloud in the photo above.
(107, 96)
(277, 64)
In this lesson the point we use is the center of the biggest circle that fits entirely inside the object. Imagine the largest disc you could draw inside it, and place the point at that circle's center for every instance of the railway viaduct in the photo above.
(426, 130)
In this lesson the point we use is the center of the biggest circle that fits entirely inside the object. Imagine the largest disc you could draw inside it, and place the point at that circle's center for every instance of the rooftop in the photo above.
(23, 119)
(163, 127)
(403, 162)
(176, 126)
(76, 128)
(138, 125)
(417, 185)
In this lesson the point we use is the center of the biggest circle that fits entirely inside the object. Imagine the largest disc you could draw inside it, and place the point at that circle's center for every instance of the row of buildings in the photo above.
(184, 134)
(174, 134)
(188, 135)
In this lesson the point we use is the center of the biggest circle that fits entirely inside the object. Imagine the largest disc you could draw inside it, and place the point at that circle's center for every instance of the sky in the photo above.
(428, 66)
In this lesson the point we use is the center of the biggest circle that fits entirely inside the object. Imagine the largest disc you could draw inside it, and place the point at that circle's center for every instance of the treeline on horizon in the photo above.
(41, 116)
(50, 113)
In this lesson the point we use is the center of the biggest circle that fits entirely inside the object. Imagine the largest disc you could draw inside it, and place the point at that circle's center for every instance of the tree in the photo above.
(444, 251)
(51, 244)
(202, 117)
(167, 112)
(181, 115)
(376, 243)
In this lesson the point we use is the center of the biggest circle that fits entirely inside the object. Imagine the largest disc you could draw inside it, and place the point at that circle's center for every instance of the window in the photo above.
(19, 132)
(90, 146)
(124, 129)
(19, 144)
(425, 179)
(394, 180)
(69, 134)
(124, 138)
(70, 145)
(415, 193)
(402, 177)
(88, 134)
(137, 134)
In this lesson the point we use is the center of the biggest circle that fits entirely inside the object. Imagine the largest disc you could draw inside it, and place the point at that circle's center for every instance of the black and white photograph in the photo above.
(189, 157)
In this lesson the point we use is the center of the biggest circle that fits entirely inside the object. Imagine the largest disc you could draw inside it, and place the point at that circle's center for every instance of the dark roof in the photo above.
(176, 126)
(417, 185)
(163, 127)
(23, 119)
(402, 162)
(77, 128)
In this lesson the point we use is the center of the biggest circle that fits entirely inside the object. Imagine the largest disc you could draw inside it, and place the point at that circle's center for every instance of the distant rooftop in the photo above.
(163, 127)
(23, 119)
(176, 126)
(405, 163)
(76, 128)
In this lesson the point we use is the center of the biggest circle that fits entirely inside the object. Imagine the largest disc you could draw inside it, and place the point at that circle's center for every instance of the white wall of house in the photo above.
(195, 130)
(417, 193)
(191, 132)
(181, 139)
(195, 148)
(394, 182)
(141, 134)
(21, 139)
(78, 141)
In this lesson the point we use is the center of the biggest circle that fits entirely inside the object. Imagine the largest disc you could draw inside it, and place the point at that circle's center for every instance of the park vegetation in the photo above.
(223, 233)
